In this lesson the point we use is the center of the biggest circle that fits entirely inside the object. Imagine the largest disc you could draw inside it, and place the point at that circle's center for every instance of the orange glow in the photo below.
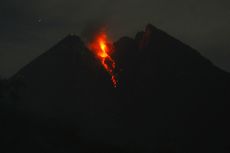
(102, 47)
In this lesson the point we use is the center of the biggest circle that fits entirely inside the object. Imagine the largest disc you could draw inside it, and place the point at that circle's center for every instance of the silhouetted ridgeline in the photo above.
(169, 99)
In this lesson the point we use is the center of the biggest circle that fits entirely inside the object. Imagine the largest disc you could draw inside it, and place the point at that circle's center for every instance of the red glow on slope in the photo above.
(102, 47)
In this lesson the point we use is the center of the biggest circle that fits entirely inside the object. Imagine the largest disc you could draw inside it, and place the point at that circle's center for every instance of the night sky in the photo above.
(30, 27)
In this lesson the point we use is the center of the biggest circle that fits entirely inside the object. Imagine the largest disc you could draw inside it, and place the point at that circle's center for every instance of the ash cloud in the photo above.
(91, 29)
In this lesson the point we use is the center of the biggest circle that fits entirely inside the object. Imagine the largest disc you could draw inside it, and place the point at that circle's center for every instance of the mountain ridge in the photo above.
(168, 94)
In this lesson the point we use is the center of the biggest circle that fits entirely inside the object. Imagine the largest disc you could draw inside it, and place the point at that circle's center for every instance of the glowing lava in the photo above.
(102, 47)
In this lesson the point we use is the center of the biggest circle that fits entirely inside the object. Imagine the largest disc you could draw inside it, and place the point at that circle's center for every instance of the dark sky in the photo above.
(30, 27)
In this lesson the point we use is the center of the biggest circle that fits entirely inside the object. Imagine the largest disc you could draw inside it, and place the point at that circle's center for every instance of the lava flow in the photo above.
(102, 47)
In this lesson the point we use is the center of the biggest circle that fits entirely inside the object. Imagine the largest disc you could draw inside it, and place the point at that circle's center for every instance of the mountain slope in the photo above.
(182, 94)
(169, 98)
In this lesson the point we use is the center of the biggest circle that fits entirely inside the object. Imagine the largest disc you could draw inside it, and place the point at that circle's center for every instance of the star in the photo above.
(39, 20)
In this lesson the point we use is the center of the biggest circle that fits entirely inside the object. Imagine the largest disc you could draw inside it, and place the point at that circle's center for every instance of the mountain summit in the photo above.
(169, 98)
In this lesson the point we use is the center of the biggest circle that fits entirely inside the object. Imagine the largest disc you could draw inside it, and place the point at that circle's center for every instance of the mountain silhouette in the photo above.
(169, 98)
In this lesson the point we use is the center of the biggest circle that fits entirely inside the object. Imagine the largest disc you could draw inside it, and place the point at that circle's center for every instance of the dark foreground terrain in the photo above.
(169, 99)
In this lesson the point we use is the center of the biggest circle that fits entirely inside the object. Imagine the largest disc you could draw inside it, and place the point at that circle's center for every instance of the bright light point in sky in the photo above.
(39, 20)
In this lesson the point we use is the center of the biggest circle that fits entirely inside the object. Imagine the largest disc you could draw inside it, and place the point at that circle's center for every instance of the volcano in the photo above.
(169, 99)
